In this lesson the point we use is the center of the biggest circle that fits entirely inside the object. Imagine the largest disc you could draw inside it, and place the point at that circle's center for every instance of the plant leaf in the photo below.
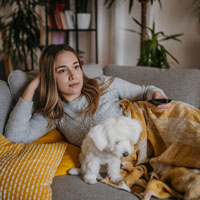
(130, 5)
(126, 29)
(173, 37)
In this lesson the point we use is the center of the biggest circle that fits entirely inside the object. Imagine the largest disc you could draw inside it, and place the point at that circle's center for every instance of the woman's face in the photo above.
(69, 75)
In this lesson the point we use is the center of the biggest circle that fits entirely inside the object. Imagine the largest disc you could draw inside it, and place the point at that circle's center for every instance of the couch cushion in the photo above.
(5, 103)
(178, 84)
(74, 188)
(92, 70)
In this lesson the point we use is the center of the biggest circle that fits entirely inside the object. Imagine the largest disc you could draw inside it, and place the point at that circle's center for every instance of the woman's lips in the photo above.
(74, 85)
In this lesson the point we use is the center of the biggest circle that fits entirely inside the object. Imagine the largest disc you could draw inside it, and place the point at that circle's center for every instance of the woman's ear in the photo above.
(98, 136)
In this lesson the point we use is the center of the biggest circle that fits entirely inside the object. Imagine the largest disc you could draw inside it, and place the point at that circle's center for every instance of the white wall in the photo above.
(176, 16)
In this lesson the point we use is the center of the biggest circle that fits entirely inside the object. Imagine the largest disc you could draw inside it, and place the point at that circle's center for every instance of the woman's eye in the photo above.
(62, 71)
(76, 66)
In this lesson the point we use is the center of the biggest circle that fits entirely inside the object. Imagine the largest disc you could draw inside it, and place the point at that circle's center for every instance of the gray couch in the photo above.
(182, 85)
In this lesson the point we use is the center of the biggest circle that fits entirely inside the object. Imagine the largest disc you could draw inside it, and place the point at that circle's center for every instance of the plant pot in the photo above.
(84, 20)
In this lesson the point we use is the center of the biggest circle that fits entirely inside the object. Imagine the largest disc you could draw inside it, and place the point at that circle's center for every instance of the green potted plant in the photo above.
(22, 31)
(83, 16)
(144, 4)
(153, 53)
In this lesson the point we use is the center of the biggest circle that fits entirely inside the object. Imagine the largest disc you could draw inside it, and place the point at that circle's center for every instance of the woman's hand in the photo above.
(159, 108)
(31, 88)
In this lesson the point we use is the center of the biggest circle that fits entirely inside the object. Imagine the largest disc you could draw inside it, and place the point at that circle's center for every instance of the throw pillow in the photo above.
(27, 170)
(70, 158)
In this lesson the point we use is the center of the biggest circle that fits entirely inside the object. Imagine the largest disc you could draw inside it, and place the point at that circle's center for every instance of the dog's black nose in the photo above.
(125, 154)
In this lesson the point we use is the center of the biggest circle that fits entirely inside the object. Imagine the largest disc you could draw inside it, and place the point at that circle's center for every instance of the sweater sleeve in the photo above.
(22, 126)
(134, 92)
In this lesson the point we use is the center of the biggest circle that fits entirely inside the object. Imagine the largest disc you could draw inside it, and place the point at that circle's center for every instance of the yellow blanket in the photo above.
(168, 153)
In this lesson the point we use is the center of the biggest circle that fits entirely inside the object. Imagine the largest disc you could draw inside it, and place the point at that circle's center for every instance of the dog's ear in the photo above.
(98, 136)
(135, 128)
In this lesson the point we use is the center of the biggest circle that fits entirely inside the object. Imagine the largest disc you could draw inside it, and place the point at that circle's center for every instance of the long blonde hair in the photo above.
(50, 100)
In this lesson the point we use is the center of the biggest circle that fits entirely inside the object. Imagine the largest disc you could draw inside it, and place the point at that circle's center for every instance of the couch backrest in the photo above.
(178, 84)
(5, 103)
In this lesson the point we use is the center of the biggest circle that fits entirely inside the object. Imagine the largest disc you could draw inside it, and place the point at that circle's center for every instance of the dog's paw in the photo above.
(123, 186)
(89, 179)
(115, 179)
(74, 171)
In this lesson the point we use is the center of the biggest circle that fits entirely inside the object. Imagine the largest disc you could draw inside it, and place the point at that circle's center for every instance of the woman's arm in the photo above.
(134, 92)
(31, 88)
(21, 125)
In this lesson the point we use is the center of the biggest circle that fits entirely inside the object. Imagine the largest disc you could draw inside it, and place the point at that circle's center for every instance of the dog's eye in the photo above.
(117, 142)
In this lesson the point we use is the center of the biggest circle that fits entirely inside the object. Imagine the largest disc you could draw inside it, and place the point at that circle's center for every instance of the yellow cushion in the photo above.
(70, 158)
(51, 137)
(27, 170)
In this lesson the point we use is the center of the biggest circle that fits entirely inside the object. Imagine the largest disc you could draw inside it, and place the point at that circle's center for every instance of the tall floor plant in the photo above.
(153, 53)
(144, 4)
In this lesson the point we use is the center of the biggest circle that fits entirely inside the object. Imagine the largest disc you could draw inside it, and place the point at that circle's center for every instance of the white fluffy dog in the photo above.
(107, 143)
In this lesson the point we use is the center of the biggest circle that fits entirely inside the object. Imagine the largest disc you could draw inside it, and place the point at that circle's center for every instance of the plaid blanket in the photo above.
(166, 162)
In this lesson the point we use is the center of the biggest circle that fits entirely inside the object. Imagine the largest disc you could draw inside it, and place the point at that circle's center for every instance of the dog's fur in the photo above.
(107, 143)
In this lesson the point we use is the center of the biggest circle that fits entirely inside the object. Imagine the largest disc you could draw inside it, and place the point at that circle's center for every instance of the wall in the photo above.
(176, 16)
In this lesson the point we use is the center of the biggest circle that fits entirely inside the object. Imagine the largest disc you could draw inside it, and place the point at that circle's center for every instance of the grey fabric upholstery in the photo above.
(74, 188)
(93, 70)
(5, 103)
(180, 85)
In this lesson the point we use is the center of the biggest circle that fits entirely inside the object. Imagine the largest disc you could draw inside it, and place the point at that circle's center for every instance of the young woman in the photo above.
(69, 100)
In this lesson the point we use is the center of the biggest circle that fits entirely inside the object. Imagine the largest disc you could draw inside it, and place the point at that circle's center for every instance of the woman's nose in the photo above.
(72, 75)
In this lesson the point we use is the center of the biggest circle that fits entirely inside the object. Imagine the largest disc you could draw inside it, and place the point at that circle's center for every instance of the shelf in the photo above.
(72, 30)
(75, 30)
